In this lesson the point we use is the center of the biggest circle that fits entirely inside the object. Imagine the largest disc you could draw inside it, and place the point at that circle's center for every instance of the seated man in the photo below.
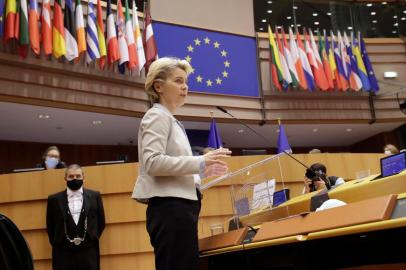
(316, 179)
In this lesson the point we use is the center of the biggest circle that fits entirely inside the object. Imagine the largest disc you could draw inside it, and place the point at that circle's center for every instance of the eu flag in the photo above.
(222, 63)
(214, 136)
(283, 144)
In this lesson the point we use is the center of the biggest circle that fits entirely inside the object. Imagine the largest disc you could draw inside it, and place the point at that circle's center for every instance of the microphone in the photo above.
(262, 136)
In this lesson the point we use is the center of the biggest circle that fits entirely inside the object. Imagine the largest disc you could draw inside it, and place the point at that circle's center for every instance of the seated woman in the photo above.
(390, 149)
(51, 159)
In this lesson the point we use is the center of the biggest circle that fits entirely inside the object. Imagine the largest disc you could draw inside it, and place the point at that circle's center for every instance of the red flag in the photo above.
(46, 27)
(151, 51)
(33, 17)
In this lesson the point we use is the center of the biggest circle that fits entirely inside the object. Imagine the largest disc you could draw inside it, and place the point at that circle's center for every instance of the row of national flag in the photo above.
(65, 33)
(340, 62)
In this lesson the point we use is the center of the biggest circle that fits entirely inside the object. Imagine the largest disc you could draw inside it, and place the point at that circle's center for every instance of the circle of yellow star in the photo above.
(209, 83)
(225, 74)
(188, 58)
(218, 80)
(216, 45)
(227, 64)
(190, 48)
(206, 40)
(199, 79)
(223, 53)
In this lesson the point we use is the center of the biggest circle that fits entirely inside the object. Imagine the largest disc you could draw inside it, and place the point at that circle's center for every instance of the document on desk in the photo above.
(263, 194)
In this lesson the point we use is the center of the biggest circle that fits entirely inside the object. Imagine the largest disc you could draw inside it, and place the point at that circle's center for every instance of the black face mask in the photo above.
(74, 184)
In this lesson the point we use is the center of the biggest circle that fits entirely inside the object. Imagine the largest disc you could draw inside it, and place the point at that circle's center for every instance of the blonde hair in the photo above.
(160, 70)
(393, 149)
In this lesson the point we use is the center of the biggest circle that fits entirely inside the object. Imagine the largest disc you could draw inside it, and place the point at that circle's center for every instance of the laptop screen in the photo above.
(393, 164)
(280, 197)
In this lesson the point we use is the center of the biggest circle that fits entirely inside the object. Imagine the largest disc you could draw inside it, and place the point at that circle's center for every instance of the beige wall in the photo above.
(232, 16)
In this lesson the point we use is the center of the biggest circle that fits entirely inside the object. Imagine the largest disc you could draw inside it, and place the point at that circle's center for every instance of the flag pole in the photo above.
(211, 114)
(279, 121)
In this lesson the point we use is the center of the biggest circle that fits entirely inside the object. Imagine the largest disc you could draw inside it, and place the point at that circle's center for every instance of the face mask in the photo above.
(387, 152)
(74, 184)
(51, 162)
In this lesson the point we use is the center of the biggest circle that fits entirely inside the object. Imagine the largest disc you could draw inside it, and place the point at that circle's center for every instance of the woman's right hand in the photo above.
(213, 157)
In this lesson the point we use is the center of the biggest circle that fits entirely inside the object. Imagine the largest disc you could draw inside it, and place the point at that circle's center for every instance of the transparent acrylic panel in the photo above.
(259, 191)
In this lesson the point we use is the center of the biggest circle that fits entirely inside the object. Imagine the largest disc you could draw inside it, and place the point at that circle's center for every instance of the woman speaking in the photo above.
(169, 175)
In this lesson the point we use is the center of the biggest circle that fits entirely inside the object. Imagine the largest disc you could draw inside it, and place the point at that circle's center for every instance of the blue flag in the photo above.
(214, 136)
(222, 63)
(2, 17)
(283, 144)
(368, 66)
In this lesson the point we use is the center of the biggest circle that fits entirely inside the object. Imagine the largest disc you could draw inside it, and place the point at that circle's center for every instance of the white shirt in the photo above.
(75, 202)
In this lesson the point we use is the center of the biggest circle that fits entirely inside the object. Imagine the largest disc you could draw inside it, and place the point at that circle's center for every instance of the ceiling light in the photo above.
(269, 11)
(374, 21)
(328, 13)
(369, 5)
(289, 17)
(373, 13)
(395, 24)
(349, 129)
(97, 122)
(295, 7)
(394, 32)
(279, 27)
(292, 25)
(263, 20)
(384, 3)
(269, 2)
(349, 28)
(404, 11)
(390, 74)
(298, 25)
(241, 131)
(395, 17)
(316, 23)
(403, 18)
(43, 116)
(315, 14)
(315, 130)
(261, 29)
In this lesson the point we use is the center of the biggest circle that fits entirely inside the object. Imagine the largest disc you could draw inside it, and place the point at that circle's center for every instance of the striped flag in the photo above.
(129, 36)
(100, 36)
(344, 57)
(113, 54)
(368, 66)
(289, 61)
(122, 42)
(23, 37)
(296, 60)
(70, 31)
(58, 31)
(80, 27)
(92, 41)
(11, 14)
(33, 17)
(274, 60)
(362, 72)
(46, 28)
(340, 69)
(287, 79)
(2, 5)
(138, 40)
(151, 51)
(326, 64)
(315, 62)
(355, 81)
(305, 63)
(332, 61)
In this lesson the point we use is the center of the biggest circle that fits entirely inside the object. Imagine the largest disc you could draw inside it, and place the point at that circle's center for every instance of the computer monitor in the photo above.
(28, 170)
(253, 152)
(393, 164)
(280, 196)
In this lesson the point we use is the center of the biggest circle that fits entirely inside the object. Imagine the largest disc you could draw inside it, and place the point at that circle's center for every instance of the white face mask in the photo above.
(387, 152)
(51, 162)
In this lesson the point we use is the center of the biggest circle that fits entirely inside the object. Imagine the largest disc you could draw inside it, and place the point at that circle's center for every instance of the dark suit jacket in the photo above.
(57, 212)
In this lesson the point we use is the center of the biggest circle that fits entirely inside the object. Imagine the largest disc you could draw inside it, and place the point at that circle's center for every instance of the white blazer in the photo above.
(166, 163)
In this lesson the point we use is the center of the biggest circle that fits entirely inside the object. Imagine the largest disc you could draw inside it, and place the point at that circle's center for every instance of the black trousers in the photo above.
(172, 228)
(76, 258)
